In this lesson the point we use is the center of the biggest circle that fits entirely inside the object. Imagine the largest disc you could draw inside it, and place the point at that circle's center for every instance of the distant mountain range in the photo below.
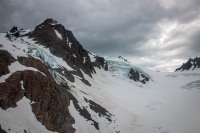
(191, 64)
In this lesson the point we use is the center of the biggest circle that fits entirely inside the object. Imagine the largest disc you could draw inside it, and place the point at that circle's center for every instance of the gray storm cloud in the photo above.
(151, 33)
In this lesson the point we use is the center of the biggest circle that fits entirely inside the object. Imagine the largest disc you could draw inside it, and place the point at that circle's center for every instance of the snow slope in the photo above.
(164, 106)
(21, 119)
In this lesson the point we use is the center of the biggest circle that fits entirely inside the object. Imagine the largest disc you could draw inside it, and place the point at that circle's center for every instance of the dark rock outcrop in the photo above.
(138, 77)
(1, 130)
(83, 111)
(120, 57)
(134, 74)
(190, 64)
(50, 101)
(145, 79)
(13, 32)
(5, 60)
(35, 63)
(14, 29)
(99, 109)
(100, 62)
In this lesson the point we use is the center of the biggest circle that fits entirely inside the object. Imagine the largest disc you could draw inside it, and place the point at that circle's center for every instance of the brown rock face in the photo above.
(10, 92)
(32, 62)
(5, 60)
(50, 100)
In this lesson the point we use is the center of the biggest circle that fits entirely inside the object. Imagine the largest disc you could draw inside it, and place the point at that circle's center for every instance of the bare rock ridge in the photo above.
(191, 64)
(120, 57)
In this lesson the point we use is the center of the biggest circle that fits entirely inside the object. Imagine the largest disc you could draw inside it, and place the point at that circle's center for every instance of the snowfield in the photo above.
(162, 106)
(21, 119)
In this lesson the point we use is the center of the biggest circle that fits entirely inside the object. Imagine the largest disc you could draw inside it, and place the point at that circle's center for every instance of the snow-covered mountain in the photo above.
(50, 83)
(190, 65)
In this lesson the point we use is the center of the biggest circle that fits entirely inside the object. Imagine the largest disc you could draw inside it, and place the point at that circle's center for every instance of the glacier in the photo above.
(120, 69)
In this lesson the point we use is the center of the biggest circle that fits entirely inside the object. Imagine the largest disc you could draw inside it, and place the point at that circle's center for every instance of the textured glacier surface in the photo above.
(193, 85)
(120, 69)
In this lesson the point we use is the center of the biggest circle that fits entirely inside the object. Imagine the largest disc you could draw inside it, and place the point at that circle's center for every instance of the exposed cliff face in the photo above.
(50, 101)
(5, 60)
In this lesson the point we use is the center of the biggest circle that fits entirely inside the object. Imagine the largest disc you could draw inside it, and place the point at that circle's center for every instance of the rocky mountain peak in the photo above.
(14, 29)
(51, 28)
(191, 64)
(62, 43)
(51, 21)
(14, 32)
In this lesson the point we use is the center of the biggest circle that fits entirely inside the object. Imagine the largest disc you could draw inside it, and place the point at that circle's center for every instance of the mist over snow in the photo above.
(159, 34)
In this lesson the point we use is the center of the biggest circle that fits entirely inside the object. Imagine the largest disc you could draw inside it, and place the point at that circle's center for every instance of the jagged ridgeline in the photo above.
(191, 64)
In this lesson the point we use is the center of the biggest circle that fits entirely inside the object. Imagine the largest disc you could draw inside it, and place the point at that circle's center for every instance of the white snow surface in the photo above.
(84, 60)
(81, 125)
(161, 106)
(68, 42)
(21, 118)
(58, 34)
(92, 57)
(14, 67)
(191, 70)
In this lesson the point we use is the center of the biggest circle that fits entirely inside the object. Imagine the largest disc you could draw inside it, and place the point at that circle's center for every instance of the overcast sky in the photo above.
(158, 34)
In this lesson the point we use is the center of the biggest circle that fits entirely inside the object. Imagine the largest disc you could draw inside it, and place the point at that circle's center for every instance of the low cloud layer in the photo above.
(159, 34)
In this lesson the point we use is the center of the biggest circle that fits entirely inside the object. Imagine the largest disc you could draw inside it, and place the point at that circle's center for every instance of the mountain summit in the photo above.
(62, 43)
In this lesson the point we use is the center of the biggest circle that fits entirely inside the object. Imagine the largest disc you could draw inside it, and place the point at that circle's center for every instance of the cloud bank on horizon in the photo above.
(158, 34)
